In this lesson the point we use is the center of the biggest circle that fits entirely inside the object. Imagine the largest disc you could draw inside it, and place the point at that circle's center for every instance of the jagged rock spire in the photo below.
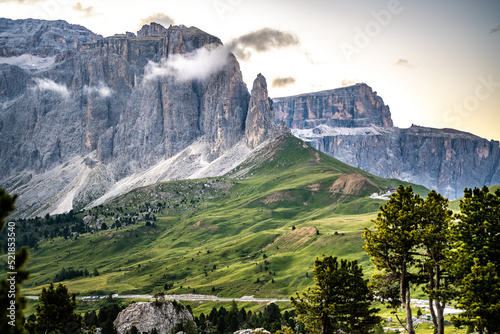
(259, 125)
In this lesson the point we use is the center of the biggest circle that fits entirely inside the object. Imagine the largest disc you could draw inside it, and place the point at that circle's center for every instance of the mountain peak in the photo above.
(259, 124)
(352, 106)
(152, 29)
(111, 109)
(260, 80)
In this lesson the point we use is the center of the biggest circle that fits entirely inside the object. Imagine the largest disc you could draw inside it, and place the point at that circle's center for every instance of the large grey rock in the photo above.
(164, 316)
(260, 115)
(353, 125)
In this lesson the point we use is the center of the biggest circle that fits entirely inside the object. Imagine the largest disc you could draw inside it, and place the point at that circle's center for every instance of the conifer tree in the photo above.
(476, 260)
(435, 235)
(12, 303)
(339, 301)
(391, 245)
(56, 311)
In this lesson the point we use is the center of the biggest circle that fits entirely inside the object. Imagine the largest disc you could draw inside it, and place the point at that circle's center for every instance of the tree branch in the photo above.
(406, 329)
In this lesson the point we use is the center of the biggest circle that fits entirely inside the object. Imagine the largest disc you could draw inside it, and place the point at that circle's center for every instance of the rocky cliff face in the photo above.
(354, 106)
(41, 38)
(442, 159)
(106, 108)
(164, 316)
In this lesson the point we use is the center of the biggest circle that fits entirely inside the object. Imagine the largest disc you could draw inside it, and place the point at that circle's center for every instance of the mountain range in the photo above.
(95, 111)
(86, 118)
(354, 125)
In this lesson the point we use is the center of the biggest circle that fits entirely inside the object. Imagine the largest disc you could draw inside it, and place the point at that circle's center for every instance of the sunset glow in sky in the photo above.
(436, 63)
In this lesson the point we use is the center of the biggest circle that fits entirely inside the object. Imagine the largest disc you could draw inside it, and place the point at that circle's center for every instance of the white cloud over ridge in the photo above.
(49, 85)
(196, 65)
(210, 59)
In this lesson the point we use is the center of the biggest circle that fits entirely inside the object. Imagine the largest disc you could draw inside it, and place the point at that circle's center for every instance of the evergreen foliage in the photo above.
(435, 238)
(65, 274)
(339, 302)
(55, 312)
(12, 303)
(391, 245)
(476, 260)
(457, 260)
(105, 319)
(6, 206)
(223, 321)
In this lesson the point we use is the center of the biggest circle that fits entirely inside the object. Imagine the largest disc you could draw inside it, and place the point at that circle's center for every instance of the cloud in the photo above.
(280, 82)
(262, 40)
(197, 65)
(404, 63)
(160, 18)
(49, 85)
(102, 90)
(86, 11)
(348, 82)
(208, 60)
(496, 29)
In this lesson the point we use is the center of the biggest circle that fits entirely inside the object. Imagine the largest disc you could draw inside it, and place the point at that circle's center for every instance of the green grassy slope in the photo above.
(254, 232)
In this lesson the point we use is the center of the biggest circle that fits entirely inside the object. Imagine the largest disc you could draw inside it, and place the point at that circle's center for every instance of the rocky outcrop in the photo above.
(354, 106)
(41, 38)
(111, 108)
(260, 115)
(164, 316)
(13, 82)
(153, 29)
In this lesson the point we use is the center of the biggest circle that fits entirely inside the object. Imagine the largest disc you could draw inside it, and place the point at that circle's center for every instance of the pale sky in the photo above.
(435, 63)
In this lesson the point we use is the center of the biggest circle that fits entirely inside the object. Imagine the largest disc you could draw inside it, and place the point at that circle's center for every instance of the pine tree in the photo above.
(435, 237)
(340, 300)
(6, 206)
(391, 245)
(56, 311)
(476, 260)
(12, 303)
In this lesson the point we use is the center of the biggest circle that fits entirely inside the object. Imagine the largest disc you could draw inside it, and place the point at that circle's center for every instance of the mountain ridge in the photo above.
(446, 160)
(81, 117)
(112, 107)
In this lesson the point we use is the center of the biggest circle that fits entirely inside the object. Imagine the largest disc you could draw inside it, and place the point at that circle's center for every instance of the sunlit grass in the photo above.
(212, 235)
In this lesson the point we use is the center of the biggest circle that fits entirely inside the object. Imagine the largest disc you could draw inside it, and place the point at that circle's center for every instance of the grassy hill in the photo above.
(255, 231)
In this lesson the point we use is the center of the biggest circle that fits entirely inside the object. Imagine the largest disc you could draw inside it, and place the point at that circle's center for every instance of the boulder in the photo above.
(165, 316)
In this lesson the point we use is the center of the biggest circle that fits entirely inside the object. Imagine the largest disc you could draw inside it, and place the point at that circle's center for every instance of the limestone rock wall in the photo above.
(110, 100)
